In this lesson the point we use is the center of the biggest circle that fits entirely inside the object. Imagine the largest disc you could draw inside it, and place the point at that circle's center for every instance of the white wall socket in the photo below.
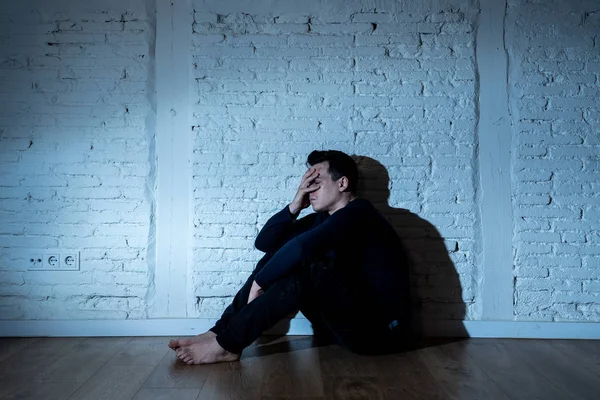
(36, 261)
(69, 261)
(51, 261)
(55, 260)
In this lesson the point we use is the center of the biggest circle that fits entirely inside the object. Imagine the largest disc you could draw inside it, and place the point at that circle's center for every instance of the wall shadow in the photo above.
(435, 287)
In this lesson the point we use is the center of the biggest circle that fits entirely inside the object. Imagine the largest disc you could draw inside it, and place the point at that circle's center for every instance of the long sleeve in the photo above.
(313, 243)
(280, 228)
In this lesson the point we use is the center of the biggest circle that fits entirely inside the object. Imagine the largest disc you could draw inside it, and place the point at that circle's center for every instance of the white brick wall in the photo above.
(392, 82)
(396, 86)
(554, 97)
(75, 161)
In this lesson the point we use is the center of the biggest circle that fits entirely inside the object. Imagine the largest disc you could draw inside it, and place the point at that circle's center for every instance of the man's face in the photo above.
(329, 194)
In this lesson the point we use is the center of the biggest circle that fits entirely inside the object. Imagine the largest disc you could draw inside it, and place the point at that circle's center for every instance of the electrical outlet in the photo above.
(69, 261)
(51, 261)
(36, 262)
(54, 260)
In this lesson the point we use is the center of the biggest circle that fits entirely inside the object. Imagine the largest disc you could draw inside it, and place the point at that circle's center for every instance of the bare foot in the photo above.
(176, 343)
(205, 352)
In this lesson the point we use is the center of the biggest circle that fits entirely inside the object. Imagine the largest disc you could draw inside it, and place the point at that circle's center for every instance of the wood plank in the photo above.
(8, 387)
(230, 385)
(586, 352)
(509, 371)
(9, 346)
(44, 390)
(289, 397)
(398, 376)
(353, 387)
(337, 361)
(406, 377)
(292, 367)
(113, 383)
(176, 375)
(83, 361)
(24, 365)
(167, 394)
(458, 375)
(241, 379)
(142, 351)
(592, 346)
(564, 371)
(296, 371)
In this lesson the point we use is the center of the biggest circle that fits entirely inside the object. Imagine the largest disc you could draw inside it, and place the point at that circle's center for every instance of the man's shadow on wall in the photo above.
(435, 287)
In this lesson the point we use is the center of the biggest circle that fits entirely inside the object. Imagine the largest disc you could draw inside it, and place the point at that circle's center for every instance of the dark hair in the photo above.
(340, 164)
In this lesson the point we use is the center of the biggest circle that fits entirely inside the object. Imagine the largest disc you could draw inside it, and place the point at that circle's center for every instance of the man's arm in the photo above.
(283, 225)
(280, 228)
(335, 230)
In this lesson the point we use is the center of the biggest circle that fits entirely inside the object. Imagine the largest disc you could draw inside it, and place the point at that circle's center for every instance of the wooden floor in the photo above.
(294, 367)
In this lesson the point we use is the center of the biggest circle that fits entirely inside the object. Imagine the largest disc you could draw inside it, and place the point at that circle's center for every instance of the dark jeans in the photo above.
(337, 309)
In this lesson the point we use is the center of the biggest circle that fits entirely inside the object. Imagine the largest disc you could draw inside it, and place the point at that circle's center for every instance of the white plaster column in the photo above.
(173, 151)
(494, 136)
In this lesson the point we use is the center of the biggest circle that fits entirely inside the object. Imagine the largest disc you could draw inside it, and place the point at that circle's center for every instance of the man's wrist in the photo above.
(256, 285)
(293, 211)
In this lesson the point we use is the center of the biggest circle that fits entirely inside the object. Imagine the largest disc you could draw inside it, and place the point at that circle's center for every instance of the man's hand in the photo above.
(306, 187)
(255, 291)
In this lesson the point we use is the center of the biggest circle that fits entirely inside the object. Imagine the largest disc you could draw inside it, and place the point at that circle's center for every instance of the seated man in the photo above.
(343, 267)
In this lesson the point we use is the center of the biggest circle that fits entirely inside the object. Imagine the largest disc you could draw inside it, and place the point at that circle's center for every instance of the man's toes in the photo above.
(174, 344)
(181, 353)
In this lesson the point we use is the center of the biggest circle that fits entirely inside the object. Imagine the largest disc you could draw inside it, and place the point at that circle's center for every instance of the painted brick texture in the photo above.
(554, 48)
(75, 159)
(395, 86)
(395, 83)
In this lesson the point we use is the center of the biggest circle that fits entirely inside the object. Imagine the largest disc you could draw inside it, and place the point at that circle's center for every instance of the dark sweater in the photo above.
(357, 238)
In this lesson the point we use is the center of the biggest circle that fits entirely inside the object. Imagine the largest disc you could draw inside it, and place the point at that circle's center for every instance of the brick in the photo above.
(288, 52)
(526, 248)
(575, 151)
(546, 212)
(533, 285)
(57, 278)
(230, 217)
(573, 237)
(534, 187)
(577, 250)
(573, 297)
(551, 164)
(253, 87)
(396, 29)
(539, 298)
(540, 237)
(11, 278)
(579, 177)
(543, 200)
(283, 28)
(291, 18)
(591, 261)
(592, 286)
(319, 41)
(229, 52)
(575, 274)
(591, 311)
(346, 29)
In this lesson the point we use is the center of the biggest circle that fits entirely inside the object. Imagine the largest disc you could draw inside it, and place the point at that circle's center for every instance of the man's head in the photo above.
(338, 178)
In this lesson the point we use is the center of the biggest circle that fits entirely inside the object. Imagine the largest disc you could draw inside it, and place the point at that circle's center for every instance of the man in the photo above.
(343, 267)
